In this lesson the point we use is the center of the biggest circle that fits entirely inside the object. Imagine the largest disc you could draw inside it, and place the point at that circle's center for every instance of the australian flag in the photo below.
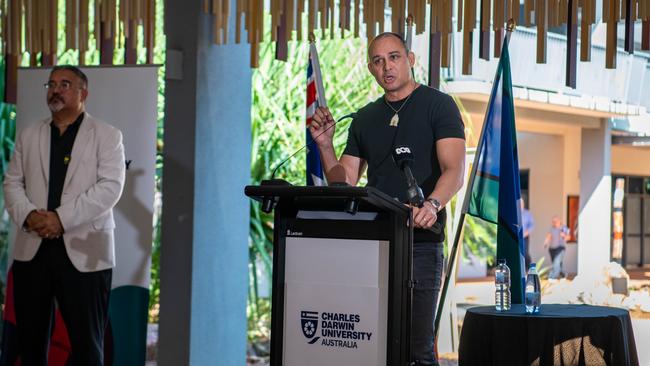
(315, 99)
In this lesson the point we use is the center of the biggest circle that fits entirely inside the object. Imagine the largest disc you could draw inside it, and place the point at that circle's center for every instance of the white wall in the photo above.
(595, 200)
(572, 141)
(543, 155)
(550, 143)
(572, 144)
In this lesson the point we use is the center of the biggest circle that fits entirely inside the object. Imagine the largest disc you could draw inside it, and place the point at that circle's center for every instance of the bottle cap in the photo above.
(501, 261)
(532, 265)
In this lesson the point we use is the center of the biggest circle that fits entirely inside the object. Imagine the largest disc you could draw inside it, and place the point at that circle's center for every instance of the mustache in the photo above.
(56, 97)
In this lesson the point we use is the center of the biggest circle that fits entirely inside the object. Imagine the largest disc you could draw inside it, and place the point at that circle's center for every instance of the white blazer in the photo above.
(93, 185)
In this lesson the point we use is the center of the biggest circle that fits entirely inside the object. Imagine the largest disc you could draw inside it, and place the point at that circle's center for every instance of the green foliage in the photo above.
(542, 270)
(259, 326)
(7, 138)
(278, 108)
(159, 56)
(480, 239)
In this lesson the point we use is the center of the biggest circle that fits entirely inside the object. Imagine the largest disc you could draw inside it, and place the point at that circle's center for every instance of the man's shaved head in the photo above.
(385, 35)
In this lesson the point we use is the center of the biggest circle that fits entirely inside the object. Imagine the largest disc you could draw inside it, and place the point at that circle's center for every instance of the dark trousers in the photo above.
(557, 255)
(527, 259)
(82, 298)
(427, 273)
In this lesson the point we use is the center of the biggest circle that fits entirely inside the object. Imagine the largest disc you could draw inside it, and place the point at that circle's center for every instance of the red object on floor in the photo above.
(59, 341)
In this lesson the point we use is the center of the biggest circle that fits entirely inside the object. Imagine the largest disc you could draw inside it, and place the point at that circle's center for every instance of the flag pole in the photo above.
(459, 229)
(409, 39)
(315, 98)
(322, 101)
(409, 32)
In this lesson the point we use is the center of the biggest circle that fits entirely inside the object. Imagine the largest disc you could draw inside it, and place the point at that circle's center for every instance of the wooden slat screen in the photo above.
(30, 26)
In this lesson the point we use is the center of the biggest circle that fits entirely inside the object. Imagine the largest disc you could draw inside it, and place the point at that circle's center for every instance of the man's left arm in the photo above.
(104, 194)
(451, 158)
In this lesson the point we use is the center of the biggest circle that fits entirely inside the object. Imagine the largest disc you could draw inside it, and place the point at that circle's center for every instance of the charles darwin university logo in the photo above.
(309, 325)
(337, 329)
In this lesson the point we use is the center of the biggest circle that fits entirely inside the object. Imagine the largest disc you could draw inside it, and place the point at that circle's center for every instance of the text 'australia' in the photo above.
(339, 330)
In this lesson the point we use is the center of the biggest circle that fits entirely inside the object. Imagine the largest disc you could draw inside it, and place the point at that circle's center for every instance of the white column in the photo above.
(594, 230)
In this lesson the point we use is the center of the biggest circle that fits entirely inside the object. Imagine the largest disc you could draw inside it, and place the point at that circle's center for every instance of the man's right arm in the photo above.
(17, 203)
(547, 240)
(348, 168)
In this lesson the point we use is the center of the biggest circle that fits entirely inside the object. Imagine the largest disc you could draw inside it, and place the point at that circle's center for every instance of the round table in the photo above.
(558, 335)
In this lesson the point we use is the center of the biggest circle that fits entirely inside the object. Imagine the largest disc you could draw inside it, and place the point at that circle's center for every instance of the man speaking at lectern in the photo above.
(426, 121)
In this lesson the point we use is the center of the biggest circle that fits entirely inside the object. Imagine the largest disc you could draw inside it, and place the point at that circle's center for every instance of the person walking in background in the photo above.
(528, 225)
(556, 243)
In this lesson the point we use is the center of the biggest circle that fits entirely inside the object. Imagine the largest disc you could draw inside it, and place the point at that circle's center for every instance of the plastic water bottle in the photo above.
(502, 284)
(533, 290)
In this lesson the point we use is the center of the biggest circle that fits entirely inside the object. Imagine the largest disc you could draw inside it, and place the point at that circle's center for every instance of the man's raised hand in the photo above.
(322, 127)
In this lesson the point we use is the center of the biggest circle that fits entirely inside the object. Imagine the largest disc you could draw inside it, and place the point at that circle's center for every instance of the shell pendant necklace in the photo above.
(395, 120)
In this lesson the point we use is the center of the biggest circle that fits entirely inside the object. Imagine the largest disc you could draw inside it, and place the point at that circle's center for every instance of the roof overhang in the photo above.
(577, 105)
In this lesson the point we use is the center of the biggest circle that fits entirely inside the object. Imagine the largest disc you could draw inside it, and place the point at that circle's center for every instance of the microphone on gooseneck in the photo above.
(309, 144)
(403, 157)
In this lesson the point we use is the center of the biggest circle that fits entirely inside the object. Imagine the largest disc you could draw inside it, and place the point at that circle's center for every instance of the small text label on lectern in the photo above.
(293, 233)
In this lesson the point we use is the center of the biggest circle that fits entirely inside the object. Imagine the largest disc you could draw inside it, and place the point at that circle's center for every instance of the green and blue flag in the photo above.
(495, 191)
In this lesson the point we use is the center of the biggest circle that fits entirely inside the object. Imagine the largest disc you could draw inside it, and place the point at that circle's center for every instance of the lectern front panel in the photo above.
(336, 301)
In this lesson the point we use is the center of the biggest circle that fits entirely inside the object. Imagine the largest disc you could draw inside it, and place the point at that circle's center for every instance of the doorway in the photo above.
(636, 220)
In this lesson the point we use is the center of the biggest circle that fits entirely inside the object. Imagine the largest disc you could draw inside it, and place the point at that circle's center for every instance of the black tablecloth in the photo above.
(557, 335)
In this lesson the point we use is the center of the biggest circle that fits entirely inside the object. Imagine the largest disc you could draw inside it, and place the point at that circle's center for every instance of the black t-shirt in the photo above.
(427, 116)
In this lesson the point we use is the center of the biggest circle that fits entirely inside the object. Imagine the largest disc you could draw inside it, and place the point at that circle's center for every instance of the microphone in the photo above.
(404, 159)
(272, 180)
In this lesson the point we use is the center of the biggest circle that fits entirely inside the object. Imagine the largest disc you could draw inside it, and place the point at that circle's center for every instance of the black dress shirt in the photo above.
(60, 151)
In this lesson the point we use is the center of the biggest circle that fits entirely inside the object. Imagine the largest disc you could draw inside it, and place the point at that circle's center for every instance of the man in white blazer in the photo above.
(65, 177)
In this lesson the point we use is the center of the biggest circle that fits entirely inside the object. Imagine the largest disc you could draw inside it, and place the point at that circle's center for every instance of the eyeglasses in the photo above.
(64, 85)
